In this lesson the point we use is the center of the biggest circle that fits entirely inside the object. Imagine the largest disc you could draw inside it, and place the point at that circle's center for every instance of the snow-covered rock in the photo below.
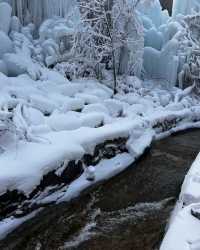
(93, 119)
(115, 107)
(96, 108)
(59, 122)
(42, 103)
(33, 116)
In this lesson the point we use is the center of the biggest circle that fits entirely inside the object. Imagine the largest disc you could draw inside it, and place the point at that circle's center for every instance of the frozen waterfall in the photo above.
(38, 10)
(185, 7)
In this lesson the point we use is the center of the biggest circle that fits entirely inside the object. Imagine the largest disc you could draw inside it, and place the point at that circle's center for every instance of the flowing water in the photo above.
(130, 211)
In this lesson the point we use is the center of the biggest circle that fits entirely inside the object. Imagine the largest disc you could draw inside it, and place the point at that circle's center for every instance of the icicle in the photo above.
(40, 10)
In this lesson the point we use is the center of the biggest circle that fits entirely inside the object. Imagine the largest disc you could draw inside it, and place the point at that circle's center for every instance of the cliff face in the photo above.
(167, 4)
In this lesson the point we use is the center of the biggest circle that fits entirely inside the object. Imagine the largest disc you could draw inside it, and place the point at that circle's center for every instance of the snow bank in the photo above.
(59, 147)
(10, 224)
(183, 232)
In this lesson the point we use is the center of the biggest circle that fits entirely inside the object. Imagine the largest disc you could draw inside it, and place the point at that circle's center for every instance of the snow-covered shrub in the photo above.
(190, 49)
(58, 121)
(109, 37)
(129, 84)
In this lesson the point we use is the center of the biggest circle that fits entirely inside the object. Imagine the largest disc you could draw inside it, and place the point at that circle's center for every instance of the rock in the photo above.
(196, 212)
(14, 65)
(72, 171)
(167, 4)
(5, 17)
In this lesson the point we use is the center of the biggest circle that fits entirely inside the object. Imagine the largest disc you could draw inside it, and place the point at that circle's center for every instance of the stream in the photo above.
(129, 211)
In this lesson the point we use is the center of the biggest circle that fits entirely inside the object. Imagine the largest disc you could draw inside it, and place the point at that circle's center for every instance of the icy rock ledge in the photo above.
(184, 228)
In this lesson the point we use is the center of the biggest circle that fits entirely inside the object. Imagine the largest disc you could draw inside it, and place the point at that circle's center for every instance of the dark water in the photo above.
(129, 211)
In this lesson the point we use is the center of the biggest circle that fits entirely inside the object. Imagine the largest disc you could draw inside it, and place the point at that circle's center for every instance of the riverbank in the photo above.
(185, 222)
(129, 211)
(73, 132)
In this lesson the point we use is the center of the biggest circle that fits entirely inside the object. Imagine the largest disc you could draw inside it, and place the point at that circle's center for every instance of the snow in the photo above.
(93, 119)
(96, 108)
(9, 224)
(104, 170)
(66, 135)
(47, 120)
(183, 231)
(59, 122)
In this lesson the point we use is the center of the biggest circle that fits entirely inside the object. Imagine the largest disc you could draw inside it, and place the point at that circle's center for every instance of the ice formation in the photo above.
(161, 59)
(5, 17)
(185, 7)
(170, 42)
(39, 10)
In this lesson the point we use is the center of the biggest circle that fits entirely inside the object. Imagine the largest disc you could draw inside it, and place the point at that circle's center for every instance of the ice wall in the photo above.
(39, 10)
(160, 59)
(185, 7)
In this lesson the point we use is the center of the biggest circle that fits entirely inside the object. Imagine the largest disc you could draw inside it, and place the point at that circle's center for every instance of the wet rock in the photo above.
(10, 202)
(72, 171)
(106, 150)
(196, 212)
